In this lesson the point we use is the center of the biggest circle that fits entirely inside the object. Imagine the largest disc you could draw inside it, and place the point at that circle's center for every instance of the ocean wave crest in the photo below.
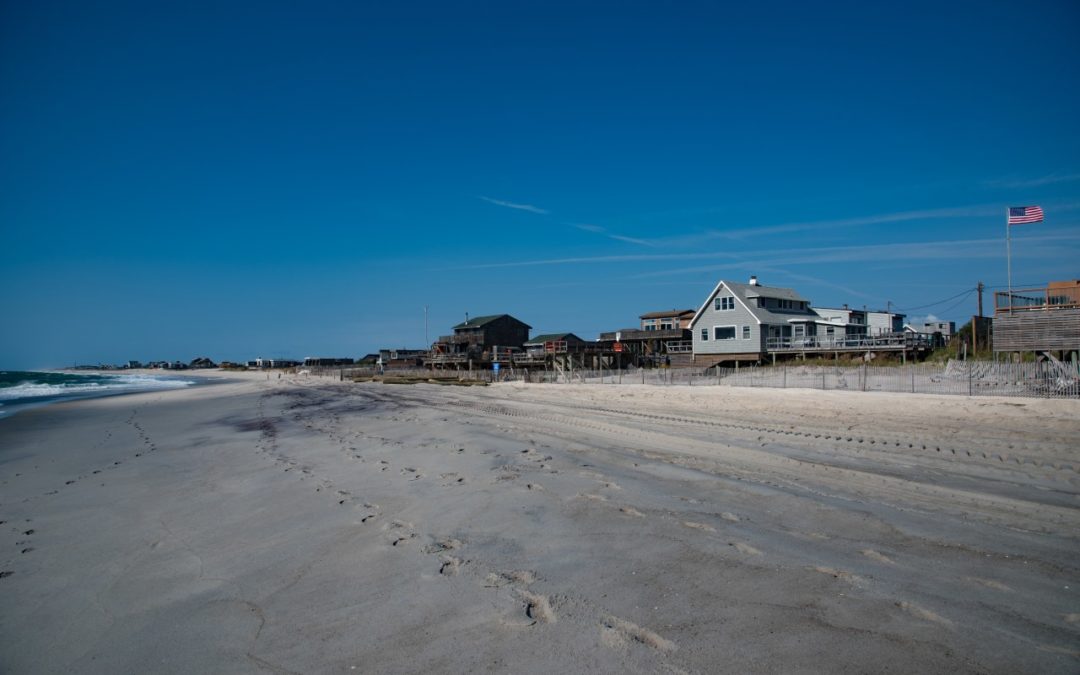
(114, 384)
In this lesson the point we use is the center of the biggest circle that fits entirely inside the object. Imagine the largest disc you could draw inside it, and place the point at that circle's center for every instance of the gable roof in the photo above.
(552, 337)
(478, 321)
(745, 292)
(670, 312)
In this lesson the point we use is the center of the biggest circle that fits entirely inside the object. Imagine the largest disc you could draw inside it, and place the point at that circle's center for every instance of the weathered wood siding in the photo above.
(1037, 330)
(506, 331)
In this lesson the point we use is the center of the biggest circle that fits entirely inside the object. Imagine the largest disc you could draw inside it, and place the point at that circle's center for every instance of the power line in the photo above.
(962, 301)
(968, 291)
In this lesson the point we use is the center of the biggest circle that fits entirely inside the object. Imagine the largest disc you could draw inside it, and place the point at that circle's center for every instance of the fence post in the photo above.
(785, 376)
(912, 367)
(864, 373)
(969, 369)
(822, 378)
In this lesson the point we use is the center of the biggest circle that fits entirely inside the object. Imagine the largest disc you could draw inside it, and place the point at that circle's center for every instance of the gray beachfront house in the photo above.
(737, 321)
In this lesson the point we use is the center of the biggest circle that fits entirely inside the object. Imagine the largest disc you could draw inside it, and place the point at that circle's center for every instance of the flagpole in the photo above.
(1008, 252)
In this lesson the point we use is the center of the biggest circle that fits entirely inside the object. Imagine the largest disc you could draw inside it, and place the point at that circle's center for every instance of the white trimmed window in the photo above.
(725, 303)
(723, 332)
(704, 334)
(746, 332)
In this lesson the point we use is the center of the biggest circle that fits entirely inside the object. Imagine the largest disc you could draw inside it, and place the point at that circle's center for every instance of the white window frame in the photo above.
(704, 334)
(734, 332)
(722, 300)
(747, 332)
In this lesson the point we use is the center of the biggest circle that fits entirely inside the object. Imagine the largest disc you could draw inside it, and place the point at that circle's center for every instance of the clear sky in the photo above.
(295, 179)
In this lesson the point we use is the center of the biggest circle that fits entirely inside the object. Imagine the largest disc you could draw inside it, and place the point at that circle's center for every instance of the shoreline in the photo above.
(308, 525)
(10, 407)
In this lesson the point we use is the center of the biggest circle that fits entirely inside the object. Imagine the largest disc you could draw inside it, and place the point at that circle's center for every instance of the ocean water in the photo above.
(22, 389)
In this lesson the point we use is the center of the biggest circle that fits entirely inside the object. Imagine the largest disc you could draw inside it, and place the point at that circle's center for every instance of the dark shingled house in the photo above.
(474, 340)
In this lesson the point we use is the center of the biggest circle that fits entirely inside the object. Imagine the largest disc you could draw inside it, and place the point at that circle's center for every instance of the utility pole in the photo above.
(975, 323)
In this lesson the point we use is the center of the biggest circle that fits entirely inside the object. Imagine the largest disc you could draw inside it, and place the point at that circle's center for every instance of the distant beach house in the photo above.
(549, 340)
(537, 349)
(939, 333)
(736, 321)
(482, 339)
(840, 323)
(262, 363)
(327, 361)
(658, 336)
(671, 319)
(879, 322)
(401, 358)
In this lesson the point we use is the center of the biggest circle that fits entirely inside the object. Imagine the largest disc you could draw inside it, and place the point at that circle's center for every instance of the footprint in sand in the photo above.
(513, 577)
(922, 613)
(616, 632)
(842, 575)
(441, 545)
(745, 548)
(537, 607)
(631, 511)
(699, 526)
(401, 532)
(989, 583)
(449, 565)
(874, 555)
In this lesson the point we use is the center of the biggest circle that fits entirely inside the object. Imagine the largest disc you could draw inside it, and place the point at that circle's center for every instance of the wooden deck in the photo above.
(896, 342)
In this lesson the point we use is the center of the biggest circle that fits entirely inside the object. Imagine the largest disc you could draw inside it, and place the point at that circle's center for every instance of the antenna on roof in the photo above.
(466, 317)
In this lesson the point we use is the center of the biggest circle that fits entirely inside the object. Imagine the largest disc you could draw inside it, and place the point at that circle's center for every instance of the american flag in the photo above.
(1018, 215)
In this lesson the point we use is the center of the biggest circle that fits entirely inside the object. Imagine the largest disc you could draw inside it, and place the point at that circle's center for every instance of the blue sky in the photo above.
(286, 179)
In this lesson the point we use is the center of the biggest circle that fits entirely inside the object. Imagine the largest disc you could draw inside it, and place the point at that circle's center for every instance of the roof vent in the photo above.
(753, 280)
(466, 317)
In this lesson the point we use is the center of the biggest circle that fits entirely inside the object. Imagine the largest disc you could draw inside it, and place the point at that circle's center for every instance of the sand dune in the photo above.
(306, 525)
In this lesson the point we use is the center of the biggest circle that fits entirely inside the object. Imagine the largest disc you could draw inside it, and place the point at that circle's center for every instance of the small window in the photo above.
(724, 332)
(704, 334)
(725, 303)
(830, 330)
(746, 332)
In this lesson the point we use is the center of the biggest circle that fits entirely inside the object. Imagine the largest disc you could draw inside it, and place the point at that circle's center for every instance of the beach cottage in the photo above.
(738, 322)
(480, 340)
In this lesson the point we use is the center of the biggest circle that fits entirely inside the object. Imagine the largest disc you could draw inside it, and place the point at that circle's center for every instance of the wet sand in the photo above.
(304, 525)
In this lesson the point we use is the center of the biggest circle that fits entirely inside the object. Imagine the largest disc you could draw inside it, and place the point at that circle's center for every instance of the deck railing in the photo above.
(1032, 299)
(886, 341)
(680, 347)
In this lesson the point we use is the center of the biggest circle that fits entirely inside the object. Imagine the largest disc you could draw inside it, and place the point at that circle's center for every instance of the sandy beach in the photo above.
(304, 525)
